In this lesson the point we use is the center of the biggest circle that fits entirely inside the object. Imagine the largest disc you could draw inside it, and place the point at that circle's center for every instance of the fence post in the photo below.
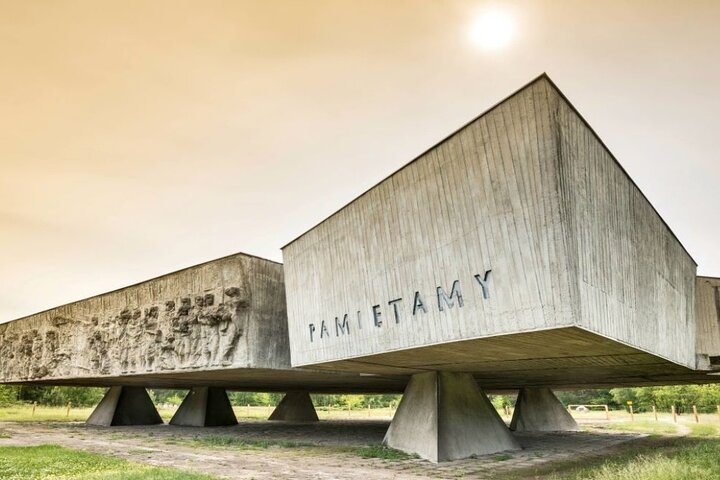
(67, 414)
(35, 405)
(632, 414)
(607, 413)
(655, 412)
(674, 414)
(697, 420)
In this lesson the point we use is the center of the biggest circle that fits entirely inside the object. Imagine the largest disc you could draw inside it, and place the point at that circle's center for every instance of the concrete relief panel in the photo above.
(197, 318)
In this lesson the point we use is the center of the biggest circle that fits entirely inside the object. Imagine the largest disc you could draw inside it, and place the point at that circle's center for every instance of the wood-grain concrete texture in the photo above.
(221, 323)
(579, 262)
(708, 320)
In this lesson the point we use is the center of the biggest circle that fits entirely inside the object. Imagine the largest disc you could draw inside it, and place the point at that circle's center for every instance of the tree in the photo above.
(8, 395)
(683, 397)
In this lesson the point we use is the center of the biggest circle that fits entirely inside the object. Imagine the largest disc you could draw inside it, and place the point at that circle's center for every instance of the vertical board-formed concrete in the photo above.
(633, 280)
(464, 242)
(295, 407)
(539, 410)
(205, 407)
(446, 416)
(125, 406)
(707, 308)
(521, 220)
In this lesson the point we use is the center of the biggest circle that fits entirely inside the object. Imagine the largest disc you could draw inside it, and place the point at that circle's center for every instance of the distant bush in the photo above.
(8, 395)
(78, 396)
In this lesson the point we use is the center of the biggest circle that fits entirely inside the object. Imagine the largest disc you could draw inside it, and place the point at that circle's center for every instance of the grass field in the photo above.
(675, 450)
(21, 413)
(678, 459)
(24, 413)
(52, 462)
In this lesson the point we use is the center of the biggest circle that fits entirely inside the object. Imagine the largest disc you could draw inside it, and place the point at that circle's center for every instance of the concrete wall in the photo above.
(526, 192)
(221, 314)
(635, 281)
(708, 318)
(485, 199)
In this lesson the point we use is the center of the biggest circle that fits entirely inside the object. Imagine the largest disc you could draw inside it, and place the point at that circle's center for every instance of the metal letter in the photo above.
(376, 315)
(418, 304)
(394, 303)
(344, 327)
(312, 330)
(448, 300)
(484, 283)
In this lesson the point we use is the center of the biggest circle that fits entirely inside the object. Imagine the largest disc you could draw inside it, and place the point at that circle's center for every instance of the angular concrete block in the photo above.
(125, 406)
(295, 407)
(446, 416)
(205, 407)
(539, 410)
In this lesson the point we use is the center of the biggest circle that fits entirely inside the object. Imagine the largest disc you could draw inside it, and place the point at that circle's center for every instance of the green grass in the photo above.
(234, 442)
(219, 441)
(704, 430)
(24, 413)
(691, 460)
(382, 452)
(52, 462)
(645, 426)
(503, 457)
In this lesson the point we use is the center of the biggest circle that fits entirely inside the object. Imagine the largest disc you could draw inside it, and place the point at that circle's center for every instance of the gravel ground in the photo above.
(328, 450)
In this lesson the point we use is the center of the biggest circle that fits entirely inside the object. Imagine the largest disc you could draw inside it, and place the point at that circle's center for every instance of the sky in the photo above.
(141, 137)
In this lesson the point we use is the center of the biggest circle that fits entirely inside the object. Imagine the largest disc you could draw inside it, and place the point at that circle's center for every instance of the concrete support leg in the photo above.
(539, 410)
(295, 407)
(446, 416)
(125, 406)
(205, 407)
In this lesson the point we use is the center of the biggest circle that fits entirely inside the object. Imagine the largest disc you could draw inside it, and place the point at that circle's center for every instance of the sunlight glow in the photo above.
(492, 29)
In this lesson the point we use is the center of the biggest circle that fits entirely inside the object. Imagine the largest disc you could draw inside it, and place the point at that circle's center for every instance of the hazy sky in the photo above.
(140, 137)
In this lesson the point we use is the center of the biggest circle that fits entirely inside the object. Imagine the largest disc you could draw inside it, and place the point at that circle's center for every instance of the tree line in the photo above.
(90, 396)
(683, 397)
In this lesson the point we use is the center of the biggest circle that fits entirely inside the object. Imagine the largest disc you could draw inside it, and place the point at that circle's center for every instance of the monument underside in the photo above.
(560, 358)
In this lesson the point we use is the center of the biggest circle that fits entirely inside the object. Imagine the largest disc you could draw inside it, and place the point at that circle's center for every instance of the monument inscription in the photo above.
(399, 309)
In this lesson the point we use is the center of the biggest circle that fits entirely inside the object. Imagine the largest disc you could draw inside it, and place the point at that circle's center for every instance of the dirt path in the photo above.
(329, 449)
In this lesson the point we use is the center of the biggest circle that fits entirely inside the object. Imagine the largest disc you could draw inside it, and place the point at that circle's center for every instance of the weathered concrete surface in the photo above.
(561, 357)
(707, 307)
(539, 410)
(205, 407)
(446, 416)
(221, 323)
(517, 250)
(521, 221)
(221, 314)
(125, 406)
(295, 407)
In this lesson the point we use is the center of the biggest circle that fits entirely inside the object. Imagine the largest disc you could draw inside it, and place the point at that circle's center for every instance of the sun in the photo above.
(492, 30)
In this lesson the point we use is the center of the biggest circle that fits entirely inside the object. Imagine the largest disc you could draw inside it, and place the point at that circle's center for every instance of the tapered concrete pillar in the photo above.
(539, 410)
(446, 416)
(125, 406)
(295, 407)
(205, 407)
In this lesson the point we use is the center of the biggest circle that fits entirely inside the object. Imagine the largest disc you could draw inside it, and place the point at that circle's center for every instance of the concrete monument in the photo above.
(516, 254)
